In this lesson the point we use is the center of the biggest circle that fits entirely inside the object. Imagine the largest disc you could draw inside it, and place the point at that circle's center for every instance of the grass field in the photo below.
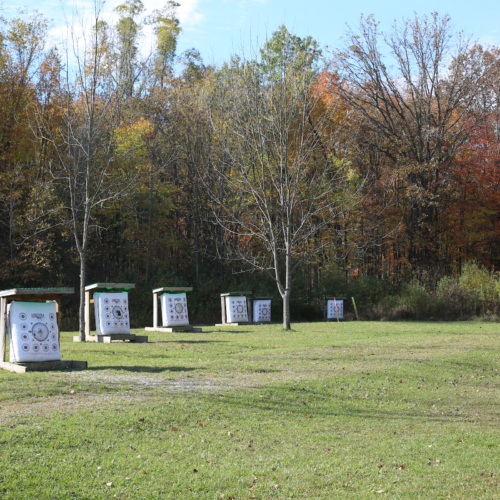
(355, 410)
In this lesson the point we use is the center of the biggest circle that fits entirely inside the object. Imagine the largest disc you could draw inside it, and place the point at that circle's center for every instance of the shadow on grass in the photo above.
(175, 341)
(143, 369)
(223, 330)
(355, 408)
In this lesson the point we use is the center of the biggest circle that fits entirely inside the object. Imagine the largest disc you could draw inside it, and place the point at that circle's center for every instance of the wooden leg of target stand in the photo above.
(223, 307)
(58, 317)
(155, 310)
(250, 309)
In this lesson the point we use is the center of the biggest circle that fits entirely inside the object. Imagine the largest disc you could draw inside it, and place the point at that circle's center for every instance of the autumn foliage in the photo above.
(428, 158)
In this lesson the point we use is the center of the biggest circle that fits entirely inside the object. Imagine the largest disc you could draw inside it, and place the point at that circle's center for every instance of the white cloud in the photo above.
(189, 12)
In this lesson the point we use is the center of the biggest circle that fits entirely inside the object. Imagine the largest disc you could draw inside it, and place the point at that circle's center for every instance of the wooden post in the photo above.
(58, 317)
(155, 309)
(250, 309)
(355, 308)
(3, 329)
(87, 314)
(336, 309)
(325, 309)
(223, 307)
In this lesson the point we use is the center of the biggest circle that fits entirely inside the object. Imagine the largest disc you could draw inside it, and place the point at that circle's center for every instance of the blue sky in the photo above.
(218, 28)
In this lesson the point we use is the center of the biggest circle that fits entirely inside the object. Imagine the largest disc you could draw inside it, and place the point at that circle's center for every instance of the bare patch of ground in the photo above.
(78, 401)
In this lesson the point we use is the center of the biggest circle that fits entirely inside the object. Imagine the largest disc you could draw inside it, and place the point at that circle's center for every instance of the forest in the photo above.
(370, 169)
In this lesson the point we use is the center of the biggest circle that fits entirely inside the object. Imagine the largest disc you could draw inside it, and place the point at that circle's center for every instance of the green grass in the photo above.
(355, 410)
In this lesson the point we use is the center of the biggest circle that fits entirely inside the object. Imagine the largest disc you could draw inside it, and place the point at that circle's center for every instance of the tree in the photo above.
(166, 27)
(80, 123)
(276, 185)
(417, 102)
(128, 31)
(21, 58)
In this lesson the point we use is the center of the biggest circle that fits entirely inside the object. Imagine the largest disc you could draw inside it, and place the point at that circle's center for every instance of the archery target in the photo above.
(330, 310)
(261, 310)
(33, 333)
(236, 309)
(111, 313)
(174, 310)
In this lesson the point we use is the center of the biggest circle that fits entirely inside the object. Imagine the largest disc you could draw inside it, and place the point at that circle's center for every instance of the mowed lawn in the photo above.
(328, 410)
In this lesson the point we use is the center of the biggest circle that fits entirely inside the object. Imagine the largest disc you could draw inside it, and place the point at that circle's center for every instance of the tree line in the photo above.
(378, 158)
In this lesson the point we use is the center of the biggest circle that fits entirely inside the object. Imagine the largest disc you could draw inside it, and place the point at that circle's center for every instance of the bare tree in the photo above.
(274, 180)
(80, 124)
(415, 92)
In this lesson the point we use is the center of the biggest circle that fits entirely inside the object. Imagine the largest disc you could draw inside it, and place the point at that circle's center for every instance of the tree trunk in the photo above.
(286, 310)
(196, 233)
(83, 271)
(150, 226)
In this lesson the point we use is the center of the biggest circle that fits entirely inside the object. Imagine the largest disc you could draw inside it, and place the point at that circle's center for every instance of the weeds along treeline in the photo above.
(370, 170)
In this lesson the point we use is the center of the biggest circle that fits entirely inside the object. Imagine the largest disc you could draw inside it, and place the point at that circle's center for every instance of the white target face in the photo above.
(261, 310)
(236, 309)
(110, 313)
(332, 311)
(33, 334)
(174, 309)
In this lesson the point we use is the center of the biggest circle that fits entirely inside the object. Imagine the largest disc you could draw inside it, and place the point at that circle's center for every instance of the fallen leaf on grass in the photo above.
(195, 470)
(109, 484)
(401, 467)
(143, 472)
(175, 429)
(276, 486)
(380, 491)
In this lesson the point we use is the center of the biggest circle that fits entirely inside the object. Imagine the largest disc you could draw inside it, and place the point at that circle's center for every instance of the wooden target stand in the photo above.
(325, 309)
(224, 312)
(169, 329)
(112, 337)
(33, 295)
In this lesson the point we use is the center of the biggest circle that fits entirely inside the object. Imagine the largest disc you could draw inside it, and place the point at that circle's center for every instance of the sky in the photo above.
(219, 28)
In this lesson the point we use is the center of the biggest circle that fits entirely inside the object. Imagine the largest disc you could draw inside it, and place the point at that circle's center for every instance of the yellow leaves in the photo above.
(131, 140)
